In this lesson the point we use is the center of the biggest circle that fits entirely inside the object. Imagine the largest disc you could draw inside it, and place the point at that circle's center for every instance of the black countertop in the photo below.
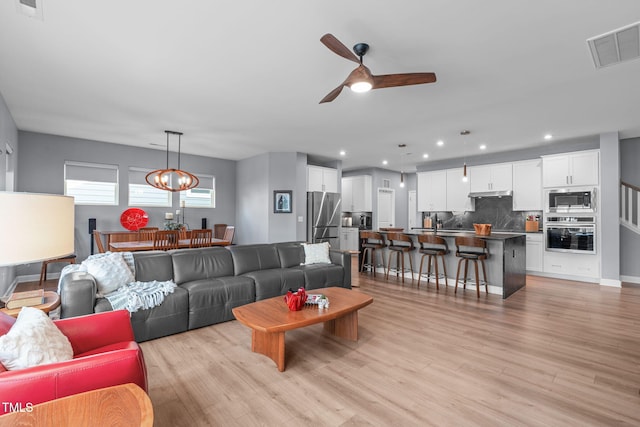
(495, 235)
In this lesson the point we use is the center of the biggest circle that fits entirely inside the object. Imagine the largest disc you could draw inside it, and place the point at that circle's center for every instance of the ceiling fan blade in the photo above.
(338, 48)
(332, 95)
(391, 80)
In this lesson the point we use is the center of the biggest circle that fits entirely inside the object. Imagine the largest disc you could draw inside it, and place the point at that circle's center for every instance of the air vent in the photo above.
(30, 8)
(386, 183)
(616, 46)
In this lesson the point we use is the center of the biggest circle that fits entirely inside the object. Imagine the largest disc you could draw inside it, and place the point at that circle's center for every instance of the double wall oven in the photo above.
(570, 220)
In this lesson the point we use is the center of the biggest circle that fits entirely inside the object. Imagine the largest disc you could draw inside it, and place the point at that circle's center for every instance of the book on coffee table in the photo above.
(25, 299)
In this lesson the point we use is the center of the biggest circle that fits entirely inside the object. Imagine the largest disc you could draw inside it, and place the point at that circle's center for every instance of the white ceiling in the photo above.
(241, 78)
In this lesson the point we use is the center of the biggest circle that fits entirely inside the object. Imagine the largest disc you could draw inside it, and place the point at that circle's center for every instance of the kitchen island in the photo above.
(506, 264)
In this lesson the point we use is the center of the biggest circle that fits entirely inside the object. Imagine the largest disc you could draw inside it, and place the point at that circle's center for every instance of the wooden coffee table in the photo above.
(269, 319)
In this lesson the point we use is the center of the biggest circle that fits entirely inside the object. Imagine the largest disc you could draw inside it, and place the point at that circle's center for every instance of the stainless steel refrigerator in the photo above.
(323, 218)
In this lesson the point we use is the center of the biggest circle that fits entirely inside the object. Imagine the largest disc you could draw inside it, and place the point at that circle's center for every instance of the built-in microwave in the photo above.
(571, 200)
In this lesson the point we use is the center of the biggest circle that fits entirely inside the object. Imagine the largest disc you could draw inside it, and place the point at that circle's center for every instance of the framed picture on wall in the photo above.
(282, 201)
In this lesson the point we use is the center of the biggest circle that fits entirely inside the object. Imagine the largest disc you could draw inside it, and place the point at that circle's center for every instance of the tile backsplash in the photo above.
(489, 210)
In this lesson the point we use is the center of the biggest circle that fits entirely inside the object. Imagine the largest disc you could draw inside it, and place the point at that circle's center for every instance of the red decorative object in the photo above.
(296, 300)
(133, 219)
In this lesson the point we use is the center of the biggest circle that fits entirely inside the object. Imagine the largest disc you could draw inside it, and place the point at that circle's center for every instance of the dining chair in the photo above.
(146, 233)
(218, 230)
(201, 238)
(71, 259)
(184, 233)
(98, 239)
(228, 233)
(166, 239)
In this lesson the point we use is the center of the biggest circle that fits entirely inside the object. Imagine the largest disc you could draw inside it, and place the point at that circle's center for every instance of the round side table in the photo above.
(51, 302)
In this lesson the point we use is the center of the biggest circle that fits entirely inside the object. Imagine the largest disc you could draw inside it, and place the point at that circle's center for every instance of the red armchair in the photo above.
(104, 354)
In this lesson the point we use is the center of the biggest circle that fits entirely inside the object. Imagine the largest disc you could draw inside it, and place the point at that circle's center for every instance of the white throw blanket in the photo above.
(140, 295)
(133, 296)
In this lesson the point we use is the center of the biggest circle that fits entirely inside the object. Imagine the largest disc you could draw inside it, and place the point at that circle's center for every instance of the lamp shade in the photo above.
(36, 227)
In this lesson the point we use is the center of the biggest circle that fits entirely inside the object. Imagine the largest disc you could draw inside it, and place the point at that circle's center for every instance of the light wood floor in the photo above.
(554, 353)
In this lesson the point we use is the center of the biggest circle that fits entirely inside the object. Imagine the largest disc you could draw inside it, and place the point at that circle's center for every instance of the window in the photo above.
(142, 194)
(91, 183)
(203, 196)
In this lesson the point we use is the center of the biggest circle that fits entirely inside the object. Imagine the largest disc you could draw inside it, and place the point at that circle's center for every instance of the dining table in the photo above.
(147, 245)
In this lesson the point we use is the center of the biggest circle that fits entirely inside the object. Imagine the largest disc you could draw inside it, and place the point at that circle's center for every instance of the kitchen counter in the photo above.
(506, 264)
(495, 235)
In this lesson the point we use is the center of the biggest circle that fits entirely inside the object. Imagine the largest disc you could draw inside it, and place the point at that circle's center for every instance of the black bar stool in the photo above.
(472, 249)
(433, 247)
(372, 242)
(400, 244)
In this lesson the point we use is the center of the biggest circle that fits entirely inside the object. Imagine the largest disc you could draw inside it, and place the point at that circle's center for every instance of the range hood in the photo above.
(480, 194)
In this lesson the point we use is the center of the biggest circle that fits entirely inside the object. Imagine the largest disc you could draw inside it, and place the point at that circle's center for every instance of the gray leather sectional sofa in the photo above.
(211, 281)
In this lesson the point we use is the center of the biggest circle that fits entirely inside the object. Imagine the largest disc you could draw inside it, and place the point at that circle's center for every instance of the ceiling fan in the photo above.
(361, 79)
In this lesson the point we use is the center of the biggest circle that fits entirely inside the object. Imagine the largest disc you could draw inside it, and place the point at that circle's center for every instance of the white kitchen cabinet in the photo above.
(458, 199)
(357, 193)
(527, 185)
(349, 237)
(432, 191)
(497, 177)
(322, 179)
(571, 264)
(535, 252)
(569, 169)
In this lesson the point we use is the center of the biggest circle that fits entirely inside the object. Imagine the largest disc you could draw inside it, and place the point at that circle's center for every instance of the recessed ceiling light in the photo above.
(342, 152)
(440, 143)
(425, 155)
(483, 147)
(384, 162)
(548, 136)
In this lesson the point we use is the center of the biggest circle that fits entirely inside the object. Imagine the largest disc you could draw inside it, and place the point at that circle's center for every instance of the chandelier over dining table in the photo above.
(172, 179)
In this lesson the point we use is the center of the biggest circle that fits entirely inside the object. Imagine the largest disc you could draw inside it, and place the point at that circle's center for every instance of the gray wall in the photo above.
(8, 135)
(609, 206)
(629, 241)
(252, 200)
(258, 177)
(41, 170)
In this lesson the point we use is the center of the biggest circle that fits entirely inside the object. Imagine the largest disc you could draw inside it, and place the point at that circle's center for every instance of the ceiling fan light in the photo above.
(360, 87)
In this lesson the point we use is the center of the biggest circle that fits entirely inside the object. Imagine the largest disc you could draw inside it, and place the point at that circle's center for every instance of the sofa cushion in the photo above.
(275, 281)
(211, 300)
(321, 275)
(291, 254)
(170, 317)
(254, 257)
(153, 265)
(201, 263)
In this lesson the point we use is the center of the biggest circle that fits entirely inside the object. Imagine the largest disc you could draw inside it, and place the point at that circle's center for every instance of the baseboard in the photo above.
(611, 282)
(630, 279)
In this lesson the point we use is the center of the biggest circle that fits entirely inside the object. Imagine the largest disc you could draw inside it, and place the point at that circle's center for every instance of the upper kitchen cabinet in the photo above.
(458, 199)
(496, 177)
(579, 168)
(432, 191)
(322, 179)
(357, 193)
(527, 185)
